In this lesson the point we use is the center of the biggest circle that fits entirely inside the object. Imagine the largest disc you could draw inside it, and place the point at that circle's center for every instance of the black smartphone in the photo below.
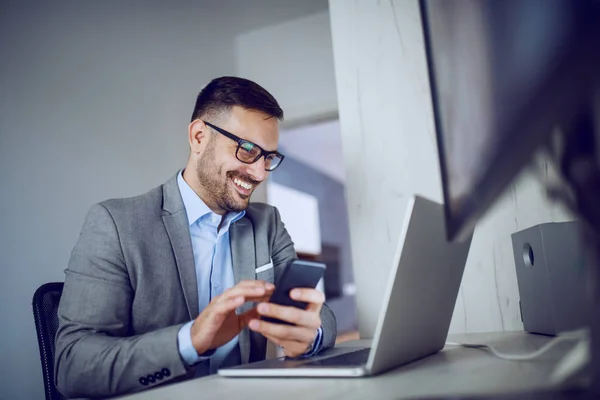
(299, 274)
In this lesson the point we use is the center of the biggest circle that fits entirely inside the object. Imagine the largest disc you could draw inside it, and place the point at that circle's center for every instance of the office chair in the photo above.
(45, 314)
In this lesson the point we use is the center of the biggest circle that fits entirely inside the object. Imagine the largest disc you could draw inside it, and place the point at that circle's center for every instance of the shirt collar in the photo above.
(195, 208)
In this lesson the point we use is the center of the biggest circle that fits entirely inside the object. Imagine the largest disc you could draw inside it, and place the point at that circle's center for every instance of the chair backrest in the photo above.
(45, 314)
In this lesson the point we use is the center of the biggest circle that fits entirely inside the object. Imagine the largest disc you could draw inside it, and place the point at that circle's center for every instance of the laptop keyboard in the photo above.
(353, 359)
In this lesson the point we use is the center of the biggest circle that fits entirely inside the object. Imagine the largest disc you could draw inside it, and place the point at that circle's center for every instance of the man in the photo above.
(164, 286)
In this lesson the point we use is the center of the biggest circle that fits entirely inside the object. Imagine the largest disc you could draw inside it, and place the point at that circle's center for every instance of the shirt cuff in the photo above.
(316, 344)
(186, 349)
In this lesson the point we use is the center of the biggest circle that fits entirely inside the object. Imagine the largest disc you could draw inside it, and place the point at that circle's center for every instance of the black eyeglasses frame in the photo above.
(263, 153)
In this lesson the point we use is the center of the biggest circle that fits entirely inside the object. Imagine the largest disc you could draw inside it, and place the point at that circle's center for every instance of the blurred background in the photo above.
(96, 96)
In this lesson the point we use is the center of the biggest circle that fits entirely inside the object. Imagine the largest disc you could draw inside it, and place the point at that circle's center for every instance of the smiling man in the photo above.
(164, 286)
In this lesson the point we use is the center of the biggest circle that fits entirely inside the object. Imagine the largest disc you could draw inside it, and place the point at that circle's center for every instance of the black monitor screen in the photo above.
(492, 66)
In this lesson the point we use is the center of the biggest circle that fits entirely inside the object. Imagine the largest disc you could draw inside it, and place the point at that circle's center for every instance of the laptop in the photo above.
(417, 308)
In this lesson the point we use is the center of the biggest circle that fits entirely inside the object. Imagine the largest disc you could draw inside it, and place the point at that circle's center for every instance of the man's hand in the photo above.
(295, 340)
(218, 323)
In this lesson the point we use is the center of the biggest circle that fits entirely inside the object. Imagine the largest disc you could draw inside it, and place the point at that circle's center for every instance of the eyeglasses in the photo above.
(249, 153)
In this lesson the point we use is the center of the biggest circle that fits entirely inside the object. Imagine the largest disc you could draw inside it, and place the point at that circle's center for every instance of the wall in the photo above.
(294, 57)
(299, 212)
(95, 102)
(390, 153)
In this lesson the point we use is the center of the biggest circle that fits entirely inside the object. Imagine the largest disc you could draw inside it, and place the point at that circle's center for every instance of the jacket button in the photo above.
(151, 378)
(158, 375)
(144, 381)
(166, 372)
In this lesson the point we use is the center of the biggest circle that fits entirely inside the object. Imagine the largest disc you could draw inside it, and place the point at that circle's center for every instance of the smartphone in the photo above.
(298, 274)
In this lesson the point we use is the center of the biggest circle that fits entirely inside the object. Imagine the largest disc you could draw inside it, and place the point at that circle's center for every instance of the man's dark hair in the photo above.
(223, 93)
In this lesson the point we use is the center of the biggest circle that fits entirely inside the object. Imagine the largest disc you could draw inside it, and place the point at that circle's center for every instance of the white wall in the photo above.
(95, 102)
(390, 153)
(294, 57)
(299, 212)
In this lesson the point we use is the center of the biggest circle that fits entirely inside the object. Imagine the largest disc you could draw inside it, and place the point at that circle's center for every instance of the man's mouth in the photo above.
(245, 185)
(244, 188)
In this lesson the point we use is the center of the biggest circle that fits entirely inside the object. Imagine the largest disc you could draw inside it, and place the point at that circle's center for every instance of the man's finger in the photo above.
(307, 295)
(248, 316)
(257, 299)
(290, 348)
(275, 340)
(255, 283)
(249, 288)
(227, 306)
(247, 292)
(262, 299)
(292, 315)
(259, 287)
(294, 349)
(313, 297)
(283, 332)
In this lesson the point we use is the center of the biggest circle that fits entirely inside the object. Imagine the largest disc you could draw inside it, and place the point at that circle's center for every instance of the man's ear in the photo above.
(197, 135)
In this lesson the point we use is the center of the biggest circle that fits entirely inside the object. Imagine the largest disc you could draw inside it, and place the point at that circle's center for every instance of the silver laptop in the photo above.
(417, 308)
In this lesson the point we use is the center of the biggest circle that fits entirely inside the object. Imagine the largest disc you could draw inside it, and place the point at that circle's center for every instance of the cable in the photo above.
(578, 334)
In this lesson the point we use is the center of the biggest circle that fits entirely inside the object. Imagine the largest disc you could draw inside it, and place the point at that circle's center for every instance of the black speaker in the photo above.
(550, 267)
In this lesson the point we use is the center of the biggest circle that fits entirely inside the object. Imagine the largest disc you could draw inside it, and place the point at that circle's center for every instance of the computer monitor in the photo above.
(503, 74)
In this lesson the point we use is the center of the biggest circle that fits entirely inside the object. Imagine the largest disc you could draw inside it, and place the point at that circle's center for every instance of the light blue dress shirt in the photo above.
(214, 275)
(214, 269)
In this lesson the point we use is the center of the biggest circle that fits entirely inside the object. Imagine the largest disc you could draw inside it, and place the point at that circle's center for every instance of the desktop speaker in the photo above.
(549, 260)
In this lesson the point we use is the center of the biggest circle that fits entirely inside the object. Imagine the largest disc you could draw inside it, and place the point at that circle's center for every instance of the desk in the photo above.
(452, 371)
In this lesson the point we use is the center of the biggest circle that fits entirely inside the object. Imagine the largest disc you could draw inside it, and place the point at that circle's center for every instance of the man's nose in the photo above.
(257, 170)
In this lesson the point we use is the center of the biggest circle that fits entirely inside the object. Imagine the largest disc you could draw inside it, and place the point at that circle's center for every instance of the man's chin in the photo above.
(239, 203)
(243, 204)
(240, 196)
(239, 207)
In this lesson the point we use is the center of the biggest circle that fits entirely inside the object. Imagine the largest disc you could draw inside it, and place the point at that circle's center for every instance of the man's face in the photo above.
(227, 182)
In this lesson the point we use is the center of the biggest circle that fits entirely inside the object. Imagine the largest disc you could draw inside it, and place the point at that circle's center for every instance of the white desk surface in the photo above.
(452, 371)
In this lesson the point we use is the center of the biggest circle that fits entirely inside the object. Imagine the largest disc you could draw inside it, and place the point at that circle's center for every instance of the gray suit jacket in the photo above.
(131, 285)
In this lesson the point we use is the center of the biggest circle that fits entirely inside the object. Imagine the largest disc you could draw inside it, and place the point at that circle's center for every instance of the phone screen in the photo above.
(298, 274)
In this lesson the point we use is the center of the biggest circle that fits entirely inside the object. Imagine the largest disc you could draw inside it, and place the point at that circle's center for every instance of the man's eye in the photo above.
(249, 147)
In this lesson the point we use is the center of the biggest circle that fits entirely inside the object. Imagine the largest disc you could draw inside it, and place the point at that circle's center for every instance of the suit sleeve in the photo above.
(283, 254)
(95, 354)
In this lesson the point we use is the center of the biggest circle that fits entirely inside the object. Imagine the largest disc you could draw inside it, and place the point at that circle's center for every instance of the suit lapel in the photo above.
(176, 223)
(241, 237)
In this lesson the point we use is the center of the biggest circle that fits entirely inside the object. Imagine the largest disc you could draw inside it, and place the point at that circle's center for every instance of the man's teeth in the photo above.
(243, 184)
